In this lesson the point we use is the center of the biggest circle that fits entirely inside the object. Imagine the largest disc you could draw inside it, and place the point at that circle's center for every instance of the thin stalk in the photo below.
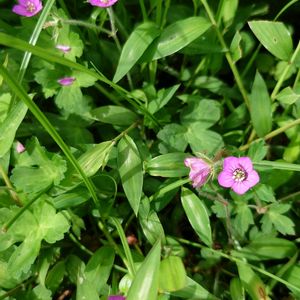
(158, 12)
(144, 11)
(273, 133)
(79, 245)
(33, 40)
(284, 73)
(8, 224)
(11, 190)
(296, 79)
(164, 17)
(227, 54)
(124, 132)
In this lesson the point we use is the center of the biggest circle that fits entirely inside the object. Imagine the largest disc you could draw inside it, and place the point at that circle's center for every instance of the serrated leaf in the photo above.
(131, 171)
(145, 283)
(51, 225)
(260, 107)
(243, 219)
(275, 37)
(197, 215)
(135, 46)
(287, 96)
(179, 34)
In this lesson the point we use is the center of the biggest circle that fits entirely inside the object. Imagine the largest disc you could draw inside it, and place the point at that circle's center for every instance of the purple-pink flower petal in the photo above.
(20, 147)
(199, 170)
(102, 3)
(65, 81)
(27, 8)
(238, 174)
(115, 297)
(63, 48)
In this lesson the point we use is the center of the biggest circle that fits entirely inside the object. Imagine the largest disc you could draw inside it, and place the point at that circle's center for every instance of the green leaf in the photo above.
(86, 290)
(260, 107)
(150, 223)
(275, 37)
(97, 270)
(236, 289)
(172, 138)
(268, 248)
(55, 276)
(94, 158)
(194, 290)
(203, 140)
(131, 171)
(73, 40)
(10, 125)
(172, 275)
(51, 225)
(292, 276)
(197, 215)
(243, 219)
(235, 47)
(145, 283)
(135, 46)
(24, 255)
(258, 150)
(168, 165)
(115, 115)
(265, 193)
(252, 283)
(204, 111)
(4, 106)
(179, 34)
(287, 96)
(274, 217)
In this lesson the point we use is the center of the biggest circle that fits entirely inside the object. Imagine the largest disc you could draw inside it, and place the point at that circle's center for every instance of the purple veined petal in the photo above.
(21, 10)
(253, 178)
(225, 179)
(22, 2)
(66, 81)
(102, 3)
(231, 163)
(246, 163)
(240, 187)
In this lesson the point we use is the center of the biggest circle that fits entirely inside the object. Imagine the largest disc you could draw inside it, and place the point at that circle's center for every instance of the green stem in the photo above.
(11, 190)
(144, 11)
(131, 266)
(23, 209)
(284, 73)
(79, 245)
(227, 54)
(124, 132)
(33, 40)
(273, 133)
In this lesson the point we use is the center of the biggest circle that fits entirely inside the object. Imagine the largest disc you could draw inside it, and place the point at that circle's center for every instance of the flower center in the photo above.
(239, 175)
(104, 1)
(30, 7)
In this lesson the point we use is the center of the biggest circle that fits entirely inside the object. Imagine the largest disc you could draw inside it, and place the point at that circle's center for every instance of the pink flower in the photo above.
(116, 298)
(19, 147)
(63, 48)
(103, 3)
(238, 174)
(65, 81)
(199, 170)
(27, 8)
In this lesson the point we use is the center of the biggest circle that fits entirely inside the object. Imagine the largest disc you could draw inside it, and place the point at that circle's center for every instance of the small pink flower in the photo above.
(65, 81)
(63, 48)
(27, 8)
(238, 174)
(116, 298)
(199, 170)
(20, 148)
(103, 3)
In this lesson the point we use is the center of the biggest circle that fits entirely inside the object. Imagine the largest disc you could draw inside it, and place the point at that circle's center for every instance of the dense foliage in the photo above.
(149, 149)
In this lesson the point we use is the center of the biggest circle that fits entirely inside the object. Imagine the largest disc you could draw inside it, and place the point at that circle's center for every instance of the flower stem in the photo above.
(284, 73)
(11, 190)
(227, 54)
(273, 133)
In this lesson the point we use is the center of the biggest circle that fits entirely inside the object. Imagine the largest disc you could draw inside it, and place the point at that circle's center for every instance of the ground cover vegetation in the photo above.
(149, 149)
